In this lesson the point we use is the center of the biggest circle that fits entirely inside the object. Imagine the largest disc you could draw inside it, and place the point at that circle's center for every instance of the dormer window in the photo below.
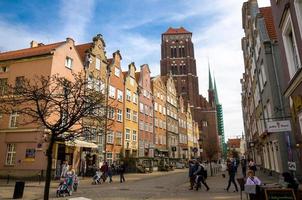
(68, 62)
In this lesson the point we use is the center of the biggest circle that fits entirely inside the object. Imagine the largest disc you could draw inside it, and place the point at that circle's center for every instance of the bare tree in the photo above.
(211, 150)
(64, 107)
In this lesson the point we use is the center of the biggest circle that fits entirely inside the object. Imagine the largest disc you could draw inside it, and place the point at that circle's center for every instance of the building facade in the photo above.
(288, 22)
(130, 113)
(145, 116)
(160, 125)
(182, 129)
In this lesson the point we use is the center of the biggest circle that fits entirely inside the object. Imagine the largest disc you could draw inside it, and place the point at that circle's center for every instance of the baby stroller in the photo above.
(63, 189)
(96, 179)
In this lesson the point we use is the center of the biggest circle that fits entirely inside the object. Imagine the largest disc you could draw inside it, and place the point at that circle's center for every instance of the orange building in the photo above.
(114, 131)
(159, 98)
(22, 147)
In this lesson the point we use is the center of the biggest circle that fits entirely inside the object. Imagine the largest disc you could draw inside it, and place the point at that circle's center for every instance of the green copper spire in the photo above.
(216, 93)
(210, 79)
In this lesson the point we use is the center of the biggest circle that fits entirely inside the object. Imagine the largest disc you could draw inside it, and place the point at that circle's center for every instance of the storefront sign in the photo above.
(278, 126)
(292, 166)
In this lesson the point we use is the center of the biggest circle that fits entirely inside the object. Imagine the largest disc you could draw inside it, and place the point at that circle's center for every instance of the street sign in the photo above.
(292, 166)
(278, 126)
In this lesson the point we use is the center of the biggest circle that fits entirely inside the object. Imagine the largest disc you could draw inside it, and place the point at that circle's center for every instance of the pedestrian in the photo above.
(65, 169)
(252, 166)
(110, 174)
(122, 170)
(200, 174)
(192, 169)
(252, 185)
(243, 167)
(232, 173)
(104, 170)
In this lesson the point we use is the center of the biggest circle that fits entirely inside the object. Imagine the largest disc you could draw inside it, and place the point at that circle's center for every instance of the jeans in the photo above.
(232, 180)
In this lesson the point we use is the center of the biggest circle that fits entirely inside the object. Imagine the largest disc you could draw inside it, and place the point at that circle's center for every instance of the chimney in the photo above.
(33, 44)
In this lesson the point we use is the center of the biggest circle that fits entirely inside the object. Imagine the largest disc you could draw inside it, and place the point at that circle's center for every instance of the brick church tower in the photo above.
(177, 58)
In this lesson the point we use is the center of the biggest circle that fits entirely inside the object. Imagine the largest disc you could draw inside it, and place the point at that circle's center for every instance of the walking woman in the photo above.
(253, 181)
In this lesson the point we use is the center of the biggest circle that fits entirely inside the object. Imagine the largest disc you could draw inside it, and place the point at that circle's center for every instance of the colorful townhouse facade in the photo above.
(160, 116)
(130, 113)
(114, 135)
(145, 116)
(23, 146)
(182, 129)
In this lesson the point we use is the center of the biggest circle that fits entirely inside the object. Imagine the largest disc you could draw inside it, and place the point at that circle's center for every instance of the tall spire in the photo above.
(216, 93)
(210, 78)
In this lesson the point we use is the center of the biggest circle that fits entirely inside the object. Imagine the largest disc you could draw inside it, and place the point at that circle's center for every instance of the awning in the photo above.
(80, 143)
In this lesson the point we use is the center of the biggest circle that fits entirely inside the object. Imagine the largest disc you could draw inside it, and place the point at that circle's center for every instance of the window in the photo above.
(146, 109)
(164, 110)
(117, 156)
(146, 127)
(97, 63)
(127, 136)
(131, 81)
(141, 125)
(128, 113)
(134, 116)
(135, 98)
(68, 62)
(3, 86)
(10, 154)
(13, 119)
(119, 115)
(4, 69)
(19, 84)
(141, 107)
(155, 106)
(290, 45)
(120, 95)
(156, 122)
(118, 138)
(117, 72)
(110, 137)
(111, 113)
(160, 109)
(128, 95)
(134, 135)
(109, 158)
(111, 91)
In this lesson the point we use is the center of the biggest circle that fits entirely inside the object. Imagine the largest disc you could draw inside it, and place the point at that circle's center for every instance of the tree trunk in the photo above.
(211, 168)
(49, 164)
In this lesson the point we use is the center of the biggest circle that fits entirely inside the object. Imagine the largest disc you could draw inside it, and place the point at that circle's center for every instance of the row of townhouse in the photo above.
(145, 116)
(271, 84)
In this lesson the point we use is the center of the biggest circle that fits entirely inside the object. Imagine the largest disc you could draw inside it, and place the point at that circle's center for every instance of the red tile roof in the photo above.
(29, 52)
(269, 22)
(180, 30)
(81, 48)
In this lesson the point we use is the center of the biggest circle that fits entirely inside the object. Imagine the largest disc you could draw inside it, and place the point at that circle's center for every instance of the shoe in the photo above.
(208, 189)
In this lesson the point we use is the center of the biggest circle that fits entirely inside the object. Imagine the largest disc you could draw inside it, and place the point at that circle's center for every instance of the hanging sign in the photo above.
(278, 126)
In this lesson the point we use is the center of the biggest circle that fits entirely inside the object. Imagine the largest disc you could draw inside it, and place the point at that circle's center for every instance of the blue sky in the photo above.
(135, 27)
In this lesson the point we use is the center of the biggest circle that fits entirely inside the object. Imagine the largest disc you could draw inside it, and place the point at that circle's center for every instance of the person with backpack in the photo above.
(232, 173)
(201, 176)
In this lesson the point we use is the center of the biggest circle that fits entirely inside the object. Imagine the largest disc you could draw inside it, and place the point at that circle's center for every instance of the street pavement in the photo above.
(157, 185)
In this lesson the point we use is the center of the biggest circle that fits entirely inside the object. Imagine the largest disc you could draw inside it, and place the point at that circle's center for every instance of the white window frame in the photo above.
(117, 72)
(109, 157)
(13, 119)
(119, 137)
(120, 95)
(134, 116)
(128, 113)
(10, 154)
(111, 113)
(119, 115)
(110, 137)
(68, 62)
(97, 63)
(135, 97)
(127, 134)
(128, 95)
(286, 28)
(134, 135)
(111, 91)
(141, 107)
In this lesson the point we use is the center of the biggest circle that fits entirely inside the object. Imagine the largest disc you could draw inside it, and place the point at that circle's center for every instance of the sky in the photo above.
(134, 27)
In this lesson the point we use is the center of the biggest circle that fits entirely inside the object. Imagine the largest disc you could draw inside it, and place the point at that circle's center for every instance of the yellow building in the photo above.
(190, 132)
(131, 113)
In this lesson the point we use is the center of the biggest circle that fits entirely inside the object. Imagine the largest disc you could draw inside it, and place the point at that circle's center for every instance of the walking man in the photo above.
(122, 170)
(232, 172)
(200, 174)
(192, 169)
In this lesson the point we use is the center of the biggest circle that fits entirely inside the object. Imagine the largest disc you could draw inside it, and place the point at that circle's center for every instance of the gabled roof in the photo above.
(30, 52)
(81, 48)
(180, 30)
(269, 22)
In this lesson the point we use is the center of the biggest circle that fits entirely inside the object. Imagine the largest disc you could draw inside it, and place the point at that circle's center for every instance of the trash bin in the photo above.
(19, 188)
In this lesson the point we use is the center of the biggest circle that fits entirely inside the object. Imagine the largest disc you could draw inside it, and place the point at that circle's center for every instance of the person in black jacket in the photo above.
(200, 174)
(232, 172)
(122, 170)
